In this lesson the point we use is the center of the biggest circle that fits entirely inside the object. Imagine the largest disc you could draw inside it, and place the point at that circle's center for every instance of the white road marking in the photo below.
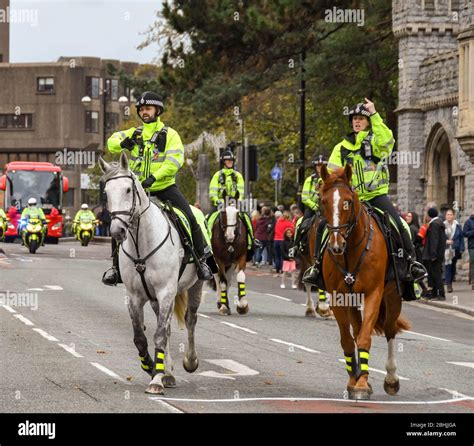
(457, 396)
(35, 289)
(230, 324)
(464, 364)
(45, 335)
(236, 369)
(204, 316)
(54, 287)
(383, 372)
(279, 297)
(70, 350)
(106, 371)
(291, 344)
(427, 336)
(23, 319)
(296, 399)
(8, 308)
(167, 406)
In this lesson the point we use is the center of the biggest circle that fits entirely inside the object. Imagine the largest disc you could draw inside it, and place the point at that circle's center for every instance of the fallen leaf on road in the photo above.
(101, 352)
(129, 378)
(280, 374)
(268, 383)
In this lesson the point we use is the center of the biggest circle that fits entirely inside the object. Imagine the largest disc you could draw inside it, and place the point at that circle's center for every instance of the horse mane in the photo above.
(115, 170)
(334, 177)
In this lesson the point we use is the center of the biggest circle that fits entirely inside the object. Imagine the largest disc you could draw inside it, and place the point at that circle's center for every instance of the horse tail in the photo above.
(212, 284)
(180, 307)
(402, 324)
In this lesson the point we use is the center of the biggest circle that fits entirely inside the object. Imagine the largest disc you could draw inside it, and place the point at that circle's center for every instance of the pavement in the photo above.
(69, 348)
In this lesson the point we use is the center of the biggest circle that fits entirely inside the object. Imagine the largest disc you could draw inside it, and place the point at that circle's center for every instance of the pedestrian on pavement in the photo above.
(433, 255)
(468, 232)
(454, 248)
(275, 215)
(414, 223)
(261, 234)
(289, 263)
(281, 225)
(105, 220)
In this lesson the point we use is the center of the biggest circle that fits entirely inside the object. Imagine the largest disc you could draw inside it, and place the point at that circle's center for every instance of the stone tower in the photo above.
(4, 32)
(435, 112)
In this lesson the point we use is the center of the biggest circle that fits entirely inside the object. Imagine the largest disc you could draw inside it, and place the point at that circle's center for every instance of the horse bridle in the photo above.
(130, 213)
(352, 222)
(224, 227)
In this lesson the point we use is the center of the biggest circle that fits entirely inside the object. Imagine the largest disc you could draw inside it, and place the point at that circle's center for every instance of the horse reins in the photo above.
(140, 263)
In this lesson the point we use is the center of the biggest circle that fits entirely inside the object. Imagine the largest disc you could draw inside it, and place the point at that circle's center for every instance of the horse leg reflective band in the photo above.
(160, 361)
(146, 362)
(322, 295)
(241, 289)
(224, 296)
(360, 363)
(348, 359)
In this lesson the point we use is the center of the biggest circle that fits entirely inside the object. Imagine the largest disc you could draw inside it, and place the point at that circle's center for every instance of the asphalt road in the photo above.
(70, 349)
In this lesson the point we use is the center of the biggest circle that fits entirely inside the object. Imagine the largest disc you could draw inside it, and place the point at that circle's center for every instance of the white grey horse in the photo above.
(150, 257)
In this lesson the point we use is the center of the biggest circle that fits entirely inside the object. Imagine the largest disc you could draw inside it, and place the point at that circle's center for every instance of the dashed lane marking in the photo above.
(54, 287)
(279, 297)
(45, 335)
(70, 350)
(23, 319)
(230, 324)
(8, 308)
(107, 371)
(291, 344)
(427, 336)
(463, 364)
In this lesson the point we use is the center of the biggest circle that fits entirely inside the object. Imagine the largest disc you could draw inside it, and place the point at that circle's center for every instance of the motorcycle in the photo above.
(3, 228)
(32, 234)
(85, 231)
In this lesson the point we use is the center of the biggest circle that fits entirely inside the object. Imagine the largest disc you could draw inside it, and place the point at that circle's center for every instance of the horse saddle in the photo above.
(301, 235)
(179, 219)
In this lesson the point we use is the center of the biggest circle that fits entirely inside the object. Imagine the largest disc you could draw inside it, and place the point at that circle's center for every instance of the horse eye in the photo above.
(129, 190)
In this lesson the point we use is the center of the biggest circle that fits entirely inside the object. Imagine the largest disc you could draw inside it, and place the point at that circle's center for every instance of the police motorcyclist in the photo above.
(83, 214)
(34, 211)
(156, 155)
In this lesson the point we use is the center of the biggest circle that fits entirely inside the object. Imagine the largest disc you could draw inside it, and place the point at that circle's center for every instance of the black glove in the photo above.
(148, 182)
(128, 143)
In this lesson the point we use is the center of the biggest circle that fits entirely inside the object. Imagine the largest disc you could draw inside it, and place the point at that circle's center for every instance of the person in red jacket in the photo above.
(282, 224)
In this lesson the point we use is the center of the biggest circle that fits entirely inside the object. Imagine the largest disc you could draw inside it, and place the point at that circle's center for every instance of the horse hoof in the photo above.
(243, 310)
(360, 393)
(155, 389)
(168, 381)
(310, 313)
(190, 367)
(224, 310)
(391, 388)
(324, 311)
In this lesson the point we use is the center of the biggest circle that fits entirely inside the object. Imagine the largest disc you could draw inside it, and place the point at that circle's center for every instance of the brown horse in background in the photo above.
(229, 246)
(354, 266)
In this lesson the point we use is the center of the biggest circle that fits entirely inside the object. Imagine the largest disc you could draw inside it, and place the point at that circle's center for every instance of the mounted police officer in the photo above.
(310, 192)
(366, 149)
(156, 155)
(227, 183)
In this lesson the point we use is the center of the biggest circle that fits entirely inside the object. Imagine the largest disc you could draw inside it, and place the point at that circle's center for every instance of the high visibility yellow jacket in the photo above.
(35, 212)
(367, 151)
(228, 180)
(146, 159)
(83, 215)
(310, 192)
(2, 214)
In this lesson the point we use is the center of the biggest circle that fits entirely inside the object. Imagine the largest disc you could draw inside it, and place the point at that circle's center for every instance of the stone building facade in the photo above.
(436, 104)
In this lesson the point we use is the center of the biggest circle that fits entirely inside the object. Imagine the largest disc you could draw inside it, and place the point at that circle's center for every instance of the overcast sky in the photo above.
(99, 28)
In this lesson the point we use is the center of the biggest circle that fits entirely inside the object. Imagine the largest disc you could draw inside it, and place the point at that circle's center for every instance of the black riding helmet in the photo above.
(227, 155)
(358, 110)
(150, 98)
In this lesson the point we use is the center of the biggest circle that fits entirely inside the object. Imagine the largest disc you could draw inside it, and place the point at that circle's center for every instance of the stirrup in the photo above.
(417, 270)
(312, 275)
(204, 272)
(112, 277)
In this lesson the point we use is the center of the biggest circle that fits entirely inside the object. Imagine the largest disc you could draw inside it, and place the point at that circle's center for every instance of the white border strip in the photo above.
(70, 350)
(279, 297)
(23, 319)
(106, 371)
(167, 406)
(427, 336)
(291, 344)
(45, 335)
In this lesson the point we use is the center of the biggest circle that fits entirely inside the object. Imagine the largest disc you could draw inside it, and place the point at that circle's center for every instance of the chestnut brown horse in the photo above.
(229, 246)
(354, 267)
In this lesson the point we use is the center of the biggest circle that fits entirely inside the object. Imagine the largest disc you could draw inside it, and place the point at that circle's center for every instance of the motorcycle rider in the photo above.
(156, 155)
(82, 214)
(33, 211)
(366, 149)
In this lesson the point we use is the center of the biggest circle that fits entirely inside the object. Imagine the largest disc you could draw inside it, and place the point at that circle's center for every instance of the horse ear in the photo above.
(104, 165)
(348, 173)
(123, 161)
(324, 173)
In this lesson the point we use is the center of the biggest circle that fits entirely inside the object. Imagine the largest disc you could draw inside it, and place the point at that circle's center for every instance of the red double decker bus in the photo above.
(22, 180)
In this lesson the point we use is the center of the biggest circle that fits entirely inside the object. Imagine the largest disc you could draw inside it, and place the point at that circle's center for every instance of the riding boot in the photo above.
(203, 252)
(112, 275)
(312, 275)
(416, 270)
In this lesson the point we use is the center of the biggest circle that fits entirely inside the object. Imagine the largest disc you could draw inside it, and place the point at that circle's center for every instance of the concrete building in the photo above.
(436, 104)
(43, 117)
